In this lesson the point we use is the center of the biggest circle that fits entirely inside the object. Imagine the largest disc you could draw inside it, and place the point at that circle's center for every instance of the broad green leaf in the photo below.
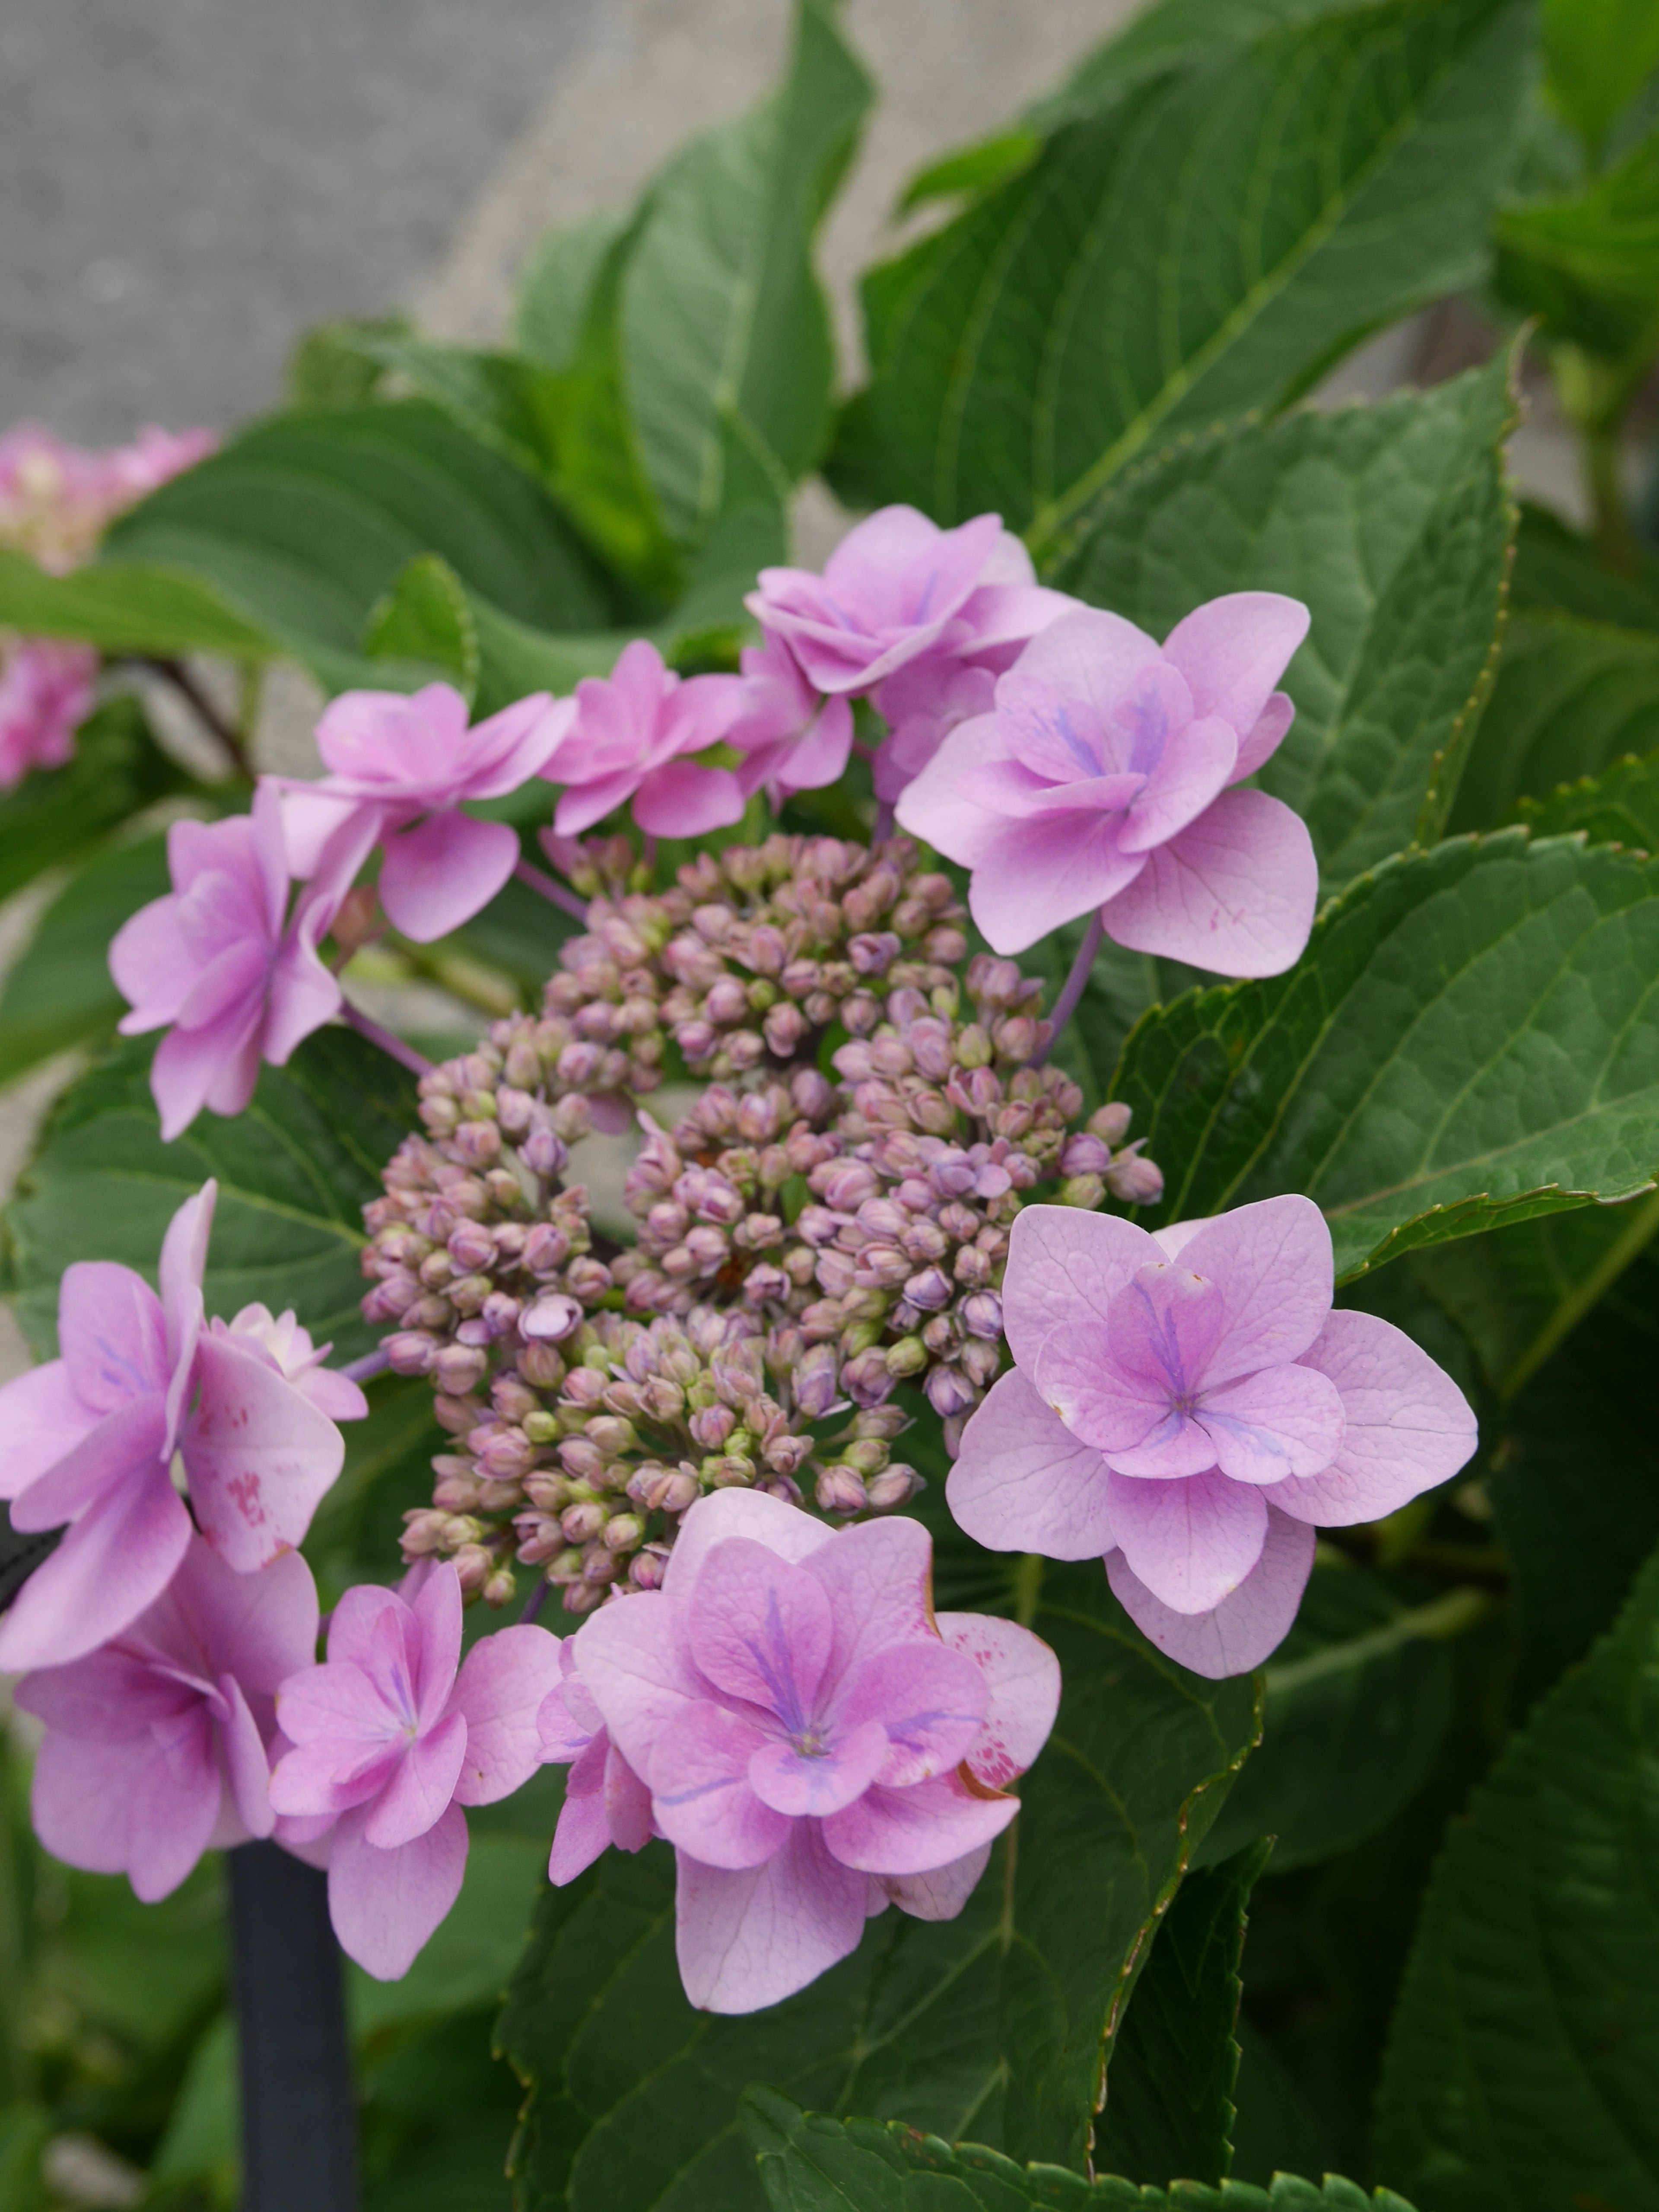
(305, 520)
(201, 2142)
(1597, 55)
(1620, 806)
(57, 814)
(1575, 1486)
(1521, 2068)
(971, 169)
(994, 2025)
(555, 283)
(121, 607)
(811, 2163)
(1588, 263)
(1170, 2108)
(1570, 698)
(723, 319)
(1558, 570)
(1358, 1697)
(294, 1171)
(59, 992)
(1204, 245)
(438, 2115)
(1392, 523)
(425, 615)
(328, 366)
(1469, 1039)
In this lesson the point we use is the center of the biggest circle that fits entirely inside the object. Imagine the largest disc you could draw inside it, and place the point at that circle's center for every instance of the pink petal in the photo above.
(247, 1769)
(914, 1830)
(386, 1903)
(627, 1803)
(1163, 1328)
(1233, 892)
(1061, 1260)
(1022, 1680)
(795, 1783)
(514, 744)
(303, 994)
(724, 1514)
(113, 1334)
(175, 1806)
(234, 975)
(82, 1798)
(421, 1786)
(1284, 1421)
(1260, 742)
(760, 1630)
(1023, 1483)
(340, 1704)
(941, 1893)
(392, 739)
(584, 1828)
(747, 1940)
(313, 817)
(681, 800)
(1095, 661)
(1233, 650)
(184, 1259)
(935, 805)
(1409, 1426)
(503, 1684)
(1272, 1264)
(1036, 875)
(112, 1696)
(1197, 764)
(700, 1792)
(354, 1625)
(152, 965)
(929, 1700)
(634, 1664)
(258, 1456)
(124, 1450)
(438, 874)
(820, 756)
(1191, 1542)
(589, 801)
(262, 1627)
(117, 1559)
(436, 1620)
(876, 1577)
(323, 1779)
(1240, 1632)
(217, 1065)
(43, 1420)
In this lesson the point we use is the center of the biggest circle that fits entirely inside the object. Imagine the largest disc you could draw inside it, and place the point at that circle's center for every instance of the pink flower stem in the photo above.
(404, 1054)
(555, 893)
(1072, 989)
(363, 1370)
(884, 824)
(536, 1599)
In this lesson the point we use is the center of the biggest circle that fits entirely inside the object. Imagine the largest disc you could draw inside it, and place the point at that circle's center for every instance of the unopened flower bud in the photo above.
(458, 1367)
(1085, 1154)
(866, 1379)
(1134, 1180)
(840, 1490)
(982, 1314)
(583, 1521)
(1086, 1191)
(906, 1357)
(411, 1352)
(896, 1485)
(949, 1391)
(1110, 1123)
(623, 1531)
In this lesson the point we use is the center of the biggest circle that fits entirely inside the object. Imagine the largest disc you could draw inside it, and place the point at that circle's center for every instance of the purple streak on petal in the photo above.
(796, 1782)
(1283, 1421)
(700, 1792)
(930, 1700)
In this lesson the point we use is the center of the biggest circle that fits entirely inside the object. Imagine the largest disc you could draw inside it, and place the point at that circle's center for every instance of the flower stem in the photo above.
(364, 1370)
(1072, 989)
(536, 1599)
(208, 714)
(555, 893)
(882, 829)
(394, 1047)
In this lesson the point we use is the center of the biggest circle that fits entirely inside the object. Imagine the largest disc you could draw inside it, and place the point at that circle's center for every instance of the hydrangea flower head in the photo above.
(630, 735)
(156, 1746)
(47, 687)
(391, 1741)
(400, 768)
(792, 738)
(220, 965)
(1100, 778)
(1189, 1406)
(813, 1740)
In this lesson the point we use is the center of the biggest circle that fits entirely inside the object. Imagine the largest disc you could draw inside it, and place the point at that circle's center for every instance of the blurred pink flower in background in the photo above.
(47, 688)
(58, 499)
(630, 735)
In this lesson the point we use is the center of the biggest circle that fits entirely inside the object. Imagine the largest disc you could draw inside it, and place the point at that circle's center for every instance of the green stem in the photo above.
(16, 2074)
(1028, 1588)
(1610, 524)
(1441, 1617)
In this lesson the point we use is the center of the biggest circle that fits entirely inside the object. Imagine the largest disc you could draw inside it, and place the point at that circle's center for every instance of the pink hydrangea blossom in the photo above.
(47, 687)
(897, 587)
(1102, 779)
(792, 738)
(400, 768)
(91, 1437)
(390, 1742)
(813, 1742)
(1189, 1406)
(57, 499)
(284, 1345)
(630, 735)
(219, 962)
(156, 1745)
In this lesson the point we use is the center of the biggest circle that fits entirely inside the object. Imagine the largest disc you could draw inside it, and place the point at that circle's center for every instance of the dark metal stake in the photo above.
(299, 2117)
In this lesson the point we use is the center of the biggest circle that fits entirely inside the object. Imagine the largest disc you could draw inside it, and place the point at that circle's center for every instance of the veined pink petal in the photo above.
(700, 1792)
(117, 1559)
(114, 1695)
(583, 1830)
(438, 873)
(760, 1630)
(633, 1662)
(354, 1625)
(113, 1334)
(1036, 875)
(151, 965)
(1260, 742)
(940, 1894)
(326, 1778)
(122, 1453)
(339, 1703)
(247, 1769)
(263, 1627)
(750, 1939)
(434, 1615)
(1191, 1542)
(384, 1905)
(1233, 892)
(501, 1687)
(1233, 650)
(876, 1577)
(1022, 1681)
(1064, 1264)
(913, 1831)
(797, 1782)
(420, 1786)
(1271, 1263)
(724, 1514)
(1283, 1421)
(935, 805)
(589, 801)
(258, 1454)
(216, 1066)
(82, 1798)
(1023, 1483)
(930, 1700)
(43, 1420)
(1408, 1426)
(1245, 1627)
(175, 1803)
(1196, 766)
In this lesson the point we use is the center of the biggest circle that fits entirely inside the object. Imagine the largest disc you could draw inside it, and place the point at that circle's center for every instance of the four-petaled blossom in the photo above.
(791, 738)
(219, 963)
(1101, 779)
(814, 1743)
(156, 1747)
(47, 687)
(400, 767)
(391, 1742)
(90, 1439)
(630, 735)
(1189, 1406)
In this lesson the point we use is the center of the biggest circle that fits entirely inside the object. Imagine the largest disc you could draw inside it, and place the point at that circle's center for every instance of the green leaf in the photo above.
(329, 367)
(306, 520)
(354, 1534)
(1597, 55)
(1520, 2068)
(1618, 807)
(971, 169)
(425, 615)
(1468, 1040)
(122, 607)
(59, 992)
(1206, 244)
(57, 814)
(1392, 523)
(1170, 2108)
(294, 1171)
(994, 2024)
(1359, 1695)
(1588, 263)
(1558, 570)
(555, 284)
(811, 2163)
(1570, 698)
